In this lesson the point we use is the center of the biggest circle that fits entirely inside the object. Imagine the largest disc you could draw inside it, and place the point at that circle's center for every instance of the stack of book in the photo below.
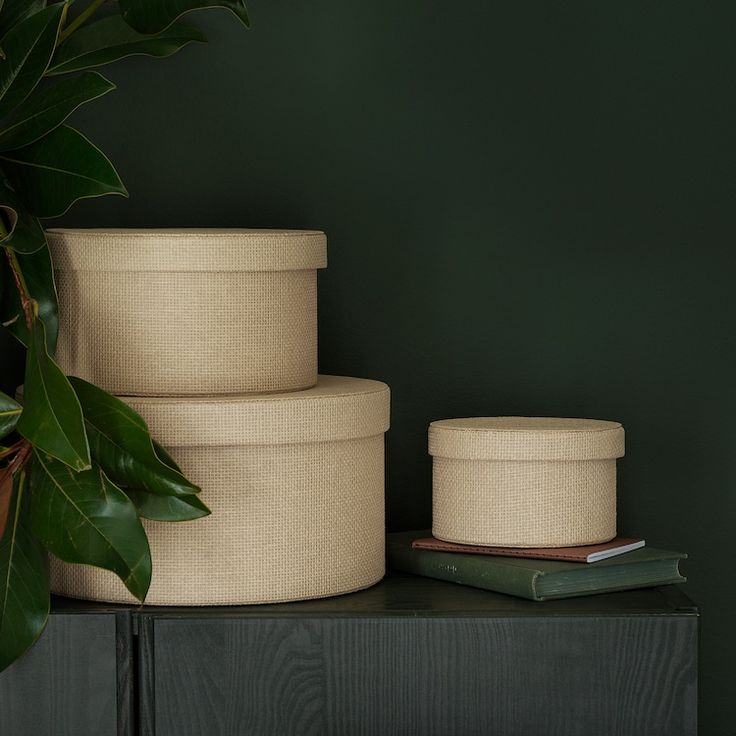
(537, 574)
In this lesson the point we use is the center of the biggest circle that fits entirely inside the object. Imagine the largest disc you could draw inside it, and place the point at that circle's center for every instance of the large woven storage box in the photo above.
(295, 483)
(524, 482)
(188, 312)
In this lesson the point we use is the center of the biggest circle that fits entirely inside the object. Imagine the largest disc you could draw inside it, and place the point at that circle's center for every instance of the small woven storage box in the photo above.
(524, 482)
(188, 312)
(295, 483)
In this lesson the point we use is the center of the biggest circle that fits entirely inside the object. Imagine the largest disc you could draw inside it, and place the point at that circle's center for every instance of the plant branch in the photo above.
(12, 450)
(6, 481)
(87, 13)
(25, 297)
(26, 300)
(22, 456)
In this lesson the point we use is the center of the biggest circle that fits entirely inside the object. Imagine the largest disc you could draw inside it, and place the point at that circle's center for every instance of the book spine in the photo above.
(465, 570)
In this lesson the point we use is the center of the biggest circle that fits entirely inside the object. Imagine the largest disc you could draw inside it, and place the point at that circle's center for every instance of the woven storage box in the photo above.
(188, 312)
(524, 482)
(295, 483)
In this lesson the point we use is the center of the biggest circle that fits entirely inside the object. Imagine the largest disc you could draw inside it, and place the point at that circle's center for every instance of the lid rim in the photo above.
(329, 412)
(187, 251)
(545, 439)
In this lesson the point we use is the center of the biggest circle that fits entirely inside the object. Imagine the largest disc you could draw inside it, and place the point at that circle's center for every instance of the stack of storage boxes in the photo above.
(211, 336)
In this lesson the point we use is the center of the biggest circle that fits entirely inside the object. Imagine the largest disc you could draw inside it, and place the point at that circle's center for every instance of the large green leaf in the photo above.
(49, 107)
(24, 232)
(167, 508)
(52, 418)
(163, 455)
(13, 11)
(50, 175)
(84, 518)
(151, 16)
(10, 412)
(27, 49)
(111, 38)
(38, 274)
(24, 583)
(120, 442)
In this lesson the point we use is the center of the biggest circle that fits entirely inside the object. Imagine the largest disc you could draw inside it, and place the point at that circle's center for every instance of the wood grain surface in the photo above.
(512, 676)
(67, 685)
(409, 656)
(402, 594)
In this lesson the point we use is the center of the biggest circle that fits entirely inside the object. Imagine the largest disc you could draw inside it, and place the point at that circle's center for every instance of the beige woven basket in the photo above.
(188, 312)
(524, 482)
(295, 483)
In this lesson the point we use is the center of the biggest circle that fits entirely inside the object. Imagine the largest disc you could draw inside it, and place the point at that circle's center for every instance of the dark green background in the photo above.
(530, 210)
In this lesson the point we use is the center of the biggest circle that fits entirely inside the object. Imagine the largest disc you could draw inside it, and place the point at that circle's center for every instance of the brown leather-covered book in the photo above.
(588, 553)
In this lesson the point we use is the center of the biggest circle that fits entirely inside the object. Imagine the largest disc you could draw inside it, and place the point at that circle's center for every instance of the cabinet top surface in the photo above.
(412, 595)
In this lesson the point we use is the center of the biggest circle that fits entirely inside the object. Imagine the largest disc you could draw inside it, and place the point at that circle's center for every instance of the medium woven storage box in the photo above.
(524, 482)
(295, 483)
(188, 312)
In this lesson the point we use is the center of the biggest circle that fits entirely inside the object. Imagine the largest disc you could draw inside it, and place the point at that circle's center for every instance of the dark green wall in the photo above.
(530, 209)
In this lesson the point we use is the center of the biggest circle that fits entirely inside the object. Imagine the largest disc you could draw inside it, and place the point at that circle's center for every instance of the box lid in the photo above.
(526, 438)
(187, 250)
(337, 408)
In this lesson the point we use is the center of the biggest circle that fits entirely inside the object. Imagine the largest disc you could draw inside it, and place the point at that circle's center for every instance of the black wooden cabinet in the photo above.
(415, 656)
(409, 656)
(77, 680)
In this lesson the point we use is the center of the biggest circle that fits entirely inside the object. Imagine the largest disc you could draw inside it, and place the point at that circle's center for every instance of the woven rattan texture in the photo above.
(288, 522)
(194, 251)
(524, 504)
(526, 438)
(337, 408)
(169, 334)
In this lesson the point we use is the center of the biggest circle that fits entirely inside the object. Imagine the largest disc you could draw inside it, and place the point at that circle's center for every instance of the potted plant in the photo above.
(78, 468)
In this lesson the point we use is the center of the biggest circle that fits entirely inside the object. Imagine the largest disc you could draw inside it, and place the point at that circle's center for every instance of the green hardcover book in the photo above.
(537, 580)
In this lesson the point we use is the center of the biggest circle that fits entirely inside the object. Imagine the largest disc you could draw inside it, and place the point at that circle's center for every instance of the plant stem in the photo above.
(12, 450)
(25, 298)
(17, 464)
(89, 11)
(22, 456)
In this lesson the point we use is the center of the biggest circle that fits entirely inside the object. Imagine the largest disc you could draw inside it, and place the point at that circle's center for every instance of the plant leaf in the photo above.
(27, 49)
(152, 16)
(63, 167)
(167, 508)
(120, 442)
(39, 277)
(52, 418)
(13, 11)
(84, 518)
(25, 234)
(24, 583)
(10, 412)
(163, 455)
(49, 107)
(111, 39)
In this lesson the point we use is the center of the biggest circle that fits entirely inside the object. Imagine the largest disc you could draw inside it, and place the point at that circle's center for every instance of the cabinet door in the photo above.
(68, 683)
(512, 676)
